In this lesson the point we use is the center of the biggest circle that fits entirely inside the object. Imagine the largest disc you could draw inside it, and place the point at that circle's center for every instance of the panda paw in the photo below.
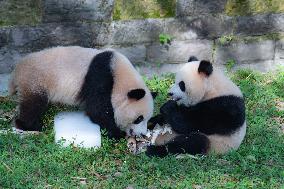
(169, 107)
(156, 151)
(116, 135)
(158, 119)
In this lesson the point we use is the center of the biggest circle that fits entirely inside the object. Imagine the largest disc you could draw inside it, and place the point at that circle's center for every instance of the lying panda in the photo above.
(206, 113)
(111, 91)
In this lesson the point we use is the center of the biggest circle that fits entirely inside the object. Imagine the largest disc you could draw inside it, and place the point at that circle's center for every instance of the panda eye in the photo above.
(181, 86)
(138, 120)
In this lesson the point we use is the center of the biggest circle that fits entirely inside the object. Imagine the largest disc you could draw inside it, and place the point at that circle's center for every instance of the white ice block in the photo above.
(77, 129)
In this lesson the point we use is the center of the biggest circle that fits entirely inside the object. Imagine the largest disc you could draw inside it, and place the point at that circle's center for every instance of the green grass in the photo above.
(251, 7)
(36, 162)
(137, 9)
(18, 12)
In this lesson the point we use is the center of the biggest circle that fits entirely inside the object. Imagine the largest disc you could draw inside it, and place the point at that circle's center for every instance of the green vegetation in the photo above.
(136, 9)
(228, 39)
(230, 64)
(36, 162)
(251, 7)
(165, 39)
(15, 12)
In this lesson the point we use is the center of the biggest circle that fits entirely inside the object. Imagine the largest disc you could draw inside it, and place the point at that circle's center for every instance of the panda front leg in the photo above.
(107, 123)
(177, 117)
(158, 119)
(32, 107)
(115, 133)
(195, 143)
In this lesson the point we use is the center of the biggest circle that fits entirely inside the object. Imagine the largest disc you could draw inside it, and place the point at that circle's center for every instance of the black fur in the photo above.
(181, 85)
(96, 94)
(158, 119)
(195, 143)
(32, 108)
(220, 115)
(205, 67)
(192, 58)
(136, 94)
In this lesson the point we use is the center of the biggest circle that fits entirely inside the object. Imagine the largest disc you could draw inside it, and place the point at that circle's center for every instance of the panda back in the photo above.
(59, 71)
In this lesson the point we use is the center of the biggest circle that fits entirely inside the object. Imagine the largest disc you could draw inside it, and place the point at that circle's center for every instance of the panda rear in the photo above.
(207, 113)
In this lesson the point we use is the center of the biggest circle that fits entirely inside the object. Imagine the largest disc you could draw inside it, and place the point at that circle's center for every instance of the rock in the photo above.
(135, 53)
(21, 40)
(101, 33)
(151, 69)
(261, 65)
(4, 37)
(279, 53)
(136, 31)
(46, 35)
(242, 52)
(187, 28)
(4, 80)
(209, 27)
(179, 51)
(8, 59)
(181, 29)
(196, 7)
(77, 10)
(259, 24)
(278, 22)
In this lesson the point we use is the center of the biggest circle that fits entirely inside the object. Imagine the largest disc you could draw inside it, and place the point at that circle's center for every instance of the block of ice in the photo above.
(77, 129)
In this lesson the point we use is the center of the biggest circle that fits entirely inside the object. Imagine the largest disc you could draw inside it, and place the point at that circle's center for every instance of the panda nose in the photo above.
(170, 94)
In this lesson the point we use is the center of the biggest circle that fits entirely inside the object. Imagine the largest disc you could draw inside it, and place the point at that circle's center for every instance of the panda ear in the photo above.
(192, 58)
(205, 67)
(136, 94)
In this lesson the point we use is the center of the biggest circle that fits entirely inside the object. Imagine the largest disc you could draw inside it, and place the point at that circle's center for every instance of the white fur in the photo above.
(76, 128)
(221, 144)
(138, 129)
(179, 96)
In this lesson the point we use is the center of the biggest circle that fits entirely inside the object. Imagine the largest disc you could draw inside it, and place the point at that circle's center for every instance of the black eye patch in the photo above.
(181, 86)
(138, 120)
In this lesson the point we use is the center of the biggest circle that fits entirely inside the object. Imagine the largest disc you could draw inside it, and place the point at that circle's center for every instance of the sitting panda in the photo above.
(206, 113)
(111, 91)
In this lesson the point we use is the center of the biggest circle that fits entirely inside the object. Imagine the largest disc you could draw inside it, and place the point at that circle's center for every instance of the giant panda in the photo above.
(206, 113)
(104, 82)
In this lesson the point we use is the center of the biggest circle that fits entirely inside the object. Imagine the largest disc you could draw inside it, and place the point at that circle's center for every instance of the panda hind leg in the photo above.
(32, 107)
(195, 143)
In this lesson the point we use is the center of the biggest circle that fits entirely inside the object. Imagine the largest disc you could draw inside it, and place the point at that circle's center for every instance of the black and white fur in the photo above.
(206, 113)
(112, 92)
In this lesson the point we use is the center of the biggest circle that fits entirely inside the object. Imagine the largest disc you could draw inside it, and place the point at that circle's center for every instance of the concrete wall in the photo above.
(202, 28)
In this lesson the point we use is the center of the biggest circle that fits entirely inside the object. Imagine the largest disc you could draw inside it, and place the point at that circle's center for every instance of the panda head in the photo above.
(191, 82)
(133, 114)
(132, 101)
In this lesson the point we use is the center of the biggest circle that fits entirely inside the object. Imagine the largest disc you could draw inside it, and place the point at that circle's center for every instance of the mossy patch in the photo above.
(136, 9)
(16, 12)
(228, 39)
(251, 7)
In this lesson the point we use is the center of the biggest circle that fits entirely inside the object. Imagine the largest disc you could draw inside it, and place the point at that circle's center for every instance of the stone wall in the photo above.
(202, 28)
